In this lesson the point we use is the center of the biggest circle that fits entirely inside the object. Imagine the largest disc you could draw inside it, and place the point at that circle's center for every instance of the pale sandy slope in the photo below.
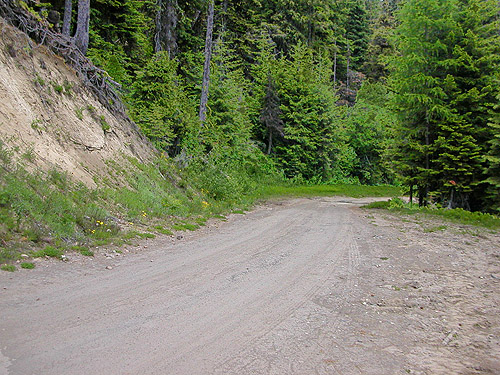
(309, 286)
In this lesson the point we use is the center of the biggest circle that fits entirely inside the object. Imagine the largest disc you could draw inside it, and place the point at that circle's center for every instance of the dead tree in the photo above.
(68, 8)
(271, 113)
(165, 37)
(81, 37)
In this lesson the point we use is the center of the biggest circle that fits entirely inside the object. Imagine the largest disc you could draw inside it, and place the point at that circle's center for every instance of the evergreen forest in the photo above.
(369, 92)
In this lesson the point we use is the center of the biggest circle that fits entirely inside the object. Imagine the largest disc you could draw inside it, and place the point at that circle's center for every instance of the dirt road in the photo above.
(308, 286)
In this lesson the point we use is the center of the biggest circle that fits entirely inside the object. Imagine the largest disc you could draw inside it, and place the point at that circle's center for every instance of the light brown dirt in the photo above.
(47, 129)
(308, 286)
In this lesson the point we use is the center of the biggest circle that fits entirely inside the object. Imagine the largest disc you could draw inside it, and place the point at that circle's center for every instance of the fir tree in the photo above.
(416, 79)
(493, 160)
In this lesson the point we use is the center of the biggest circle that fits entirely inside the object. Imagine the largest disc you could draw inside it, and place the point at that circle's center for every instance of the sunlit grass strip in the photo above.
(354, 191)
(456, 215)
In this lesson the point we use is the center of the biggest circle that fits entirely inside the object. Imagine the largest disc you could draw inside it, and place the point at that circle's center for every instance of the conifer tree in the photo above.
(445, 87)
(416, 79)
(357, 33)
(493, 159)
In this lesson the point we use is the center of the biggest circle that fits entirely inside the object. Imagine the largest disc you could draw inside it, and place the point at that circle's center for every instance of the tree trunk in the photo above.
(348, 61)
(158, 26)
(270, 143)
(81, 37)
(166, 24)
(450, 202)
(68, 8)
(427, 161)
(206, 65)
(335, 66)
(411, 195)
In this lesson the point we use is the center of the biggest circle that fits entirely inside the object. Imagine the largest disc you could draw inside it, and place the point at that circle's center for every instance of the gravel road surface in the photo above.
(307, 286)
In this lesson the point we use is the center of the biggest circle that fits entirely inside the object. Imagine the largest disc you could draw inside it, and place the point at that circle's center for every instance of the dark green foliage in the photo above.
(121, 34)
(381, 45)
(444, 80)
(308, 148)
(160, 106)
(276, 71)
(357, 33)
(370, 125)
(493, 160)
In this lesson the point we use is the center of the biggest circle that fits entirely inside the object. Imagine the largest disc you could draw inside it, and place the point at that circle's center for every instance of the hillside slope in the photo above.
(50, 119)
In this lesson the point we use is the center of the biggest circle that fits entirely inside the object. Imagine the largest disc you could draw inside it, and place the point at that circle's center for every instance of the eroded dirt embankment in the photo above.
(51, 120)
(309, 286)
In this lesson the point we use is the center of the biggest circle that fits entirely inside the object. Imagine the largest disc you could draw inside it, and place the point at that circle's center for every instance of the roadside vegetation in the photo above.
(456, 215)
(47, 214)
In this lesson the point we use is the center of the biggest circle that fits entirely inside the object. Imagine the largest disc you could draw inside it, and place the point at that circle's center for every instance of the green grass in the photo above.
(27, 265)
(162, 230)
(456, 215)
(49, 251)
(354, 191)
(8, 268)
(201, 221)
(87, 253)
(378, 205)
(185, 226)
(145, 235)
(436, 228)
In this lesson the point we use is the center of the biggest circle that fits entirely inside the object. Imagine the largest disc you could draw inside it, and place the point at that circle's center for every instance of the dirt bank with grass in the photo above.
(307, 286)
(49, 119)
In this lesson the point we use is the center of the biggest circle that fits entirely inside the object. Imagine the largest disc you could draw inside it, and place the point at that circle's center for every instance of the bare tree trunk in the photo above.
(348, 62)
(206, 65)
(427, 161)
(451, 203)
(68, 8)
(166, 24)
(335, 66)
(411, 194)
(158, 26)
(270, 143)
(81, 37)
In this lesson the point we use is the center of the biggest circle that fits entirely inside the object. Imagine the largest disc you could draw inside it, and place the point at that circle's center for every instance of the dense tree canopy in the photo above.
(389, 91)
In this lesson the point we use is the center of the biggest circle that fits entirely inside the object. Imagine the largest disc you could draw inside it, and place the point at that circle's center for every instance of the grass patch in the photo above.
(48, 251)
(436, 228)
(185, 226)
(163, 230)
(87, 253)
(354, 191)
(8, 268)
(456, 215)
(28, 265)
(378, 205)
(201, 221)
